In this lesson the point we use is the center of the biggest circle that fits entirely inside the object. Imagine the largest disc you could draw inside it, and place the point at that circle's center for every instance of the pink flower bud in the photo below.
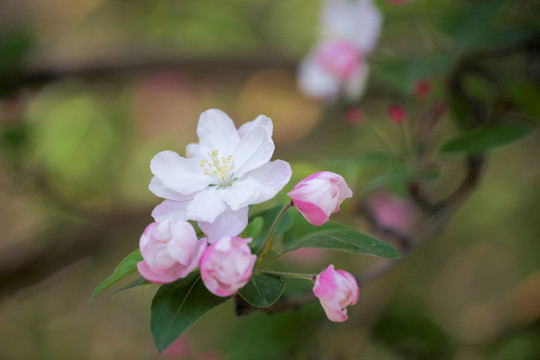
(226, 265)
(170, 250)
(397, 113)
(336, 289)
(354, 115)
(422, 88)
(339, 57)
(319, 195)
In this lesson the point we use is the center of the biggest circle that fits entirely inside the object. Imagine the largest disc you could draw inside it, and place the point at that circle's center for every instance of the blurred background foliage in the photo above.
(91, 90)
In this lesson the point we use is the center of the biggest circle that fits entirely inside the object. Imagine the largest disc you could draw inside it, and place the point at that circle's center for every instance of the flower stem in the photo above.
(267, 244)
(310, 277)
(381, 140)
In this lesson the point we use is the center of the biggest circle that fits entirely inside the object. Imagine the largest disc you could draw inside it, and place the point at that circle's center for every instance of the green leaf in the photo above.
(140, 281)
(262, 290)
(486, 139)
(126, 267)
(430, 172)
(268, 217)
(344, 239)
(178, 305)
(254, 228)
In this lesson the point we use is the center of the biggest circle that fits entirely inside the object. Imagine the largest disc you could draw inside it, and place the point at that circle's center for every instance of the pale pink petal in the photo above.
(170, 209)
(216, 131)
(355, 86)
(229, 223)
(261, 120)
(241, 193)
(179, 174)
(271, 178)
(154, 277)
(314, 81)
(159, 189)
(207, 205)
(357, 21)
(254, 150)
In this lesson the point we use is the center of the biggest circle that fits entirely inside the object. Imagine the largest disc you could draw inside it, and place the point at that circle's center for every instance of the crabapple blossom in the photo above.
(336, 289)
(222, 175)
(349, 32)
(319, 195)
(226, 265)
(170, 250)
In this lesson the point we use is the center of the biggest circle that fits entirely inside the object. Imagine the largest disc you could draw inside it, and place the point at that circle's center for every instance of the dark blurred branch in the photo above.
(129, 64)
(22, 266)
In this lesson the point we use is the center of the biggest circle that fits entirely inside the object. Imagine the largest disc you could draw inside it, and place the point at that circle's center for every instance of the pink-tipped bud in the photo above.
(170, 250)
(397, 113)
(336, 289)
(422, 88)
(226, 265)
(339, 57)
(354, 115)
(319, 195)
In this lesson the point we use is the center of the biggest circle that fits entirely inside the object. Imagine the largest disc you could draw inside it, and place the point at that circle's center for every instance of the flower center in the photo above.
(219, 166)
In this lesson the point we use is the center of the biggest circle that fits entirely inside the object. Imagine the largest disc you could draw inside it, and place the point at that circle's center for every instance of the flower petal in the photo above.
(154, 277)
(254, 150)
(216, 131)
(170, 209)
(241, 193)
(315, 81)
(193, 150)
(261, 120)
(159, 189)
(358, 21)
(229, 223)
(271, 178)
(355, 85)
(177, 173)
(207, 205)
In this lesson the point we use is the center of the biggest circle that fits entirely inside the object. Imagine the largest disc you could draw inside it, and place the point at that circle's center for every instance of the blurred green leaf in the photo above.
(521, 346)
(477, 26)
(430, 172)
(486, 139)
(140, 281)
(254, 228)
(14, 47)
(405, 328)
(396, 179)
(14, 141)
(126, 267)
(177, 305)
(526, 95)
(262, 290)
(344, 239)
(268, 217)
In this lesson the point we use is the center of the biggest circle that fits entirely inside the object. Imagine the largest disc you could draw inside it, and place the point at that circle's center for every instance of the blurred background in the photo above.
(91, 90)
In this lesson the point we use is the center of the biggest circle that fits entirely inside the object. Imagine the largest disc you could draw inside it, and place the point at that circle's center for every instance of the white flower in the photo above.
(222, 175)
(349, 32)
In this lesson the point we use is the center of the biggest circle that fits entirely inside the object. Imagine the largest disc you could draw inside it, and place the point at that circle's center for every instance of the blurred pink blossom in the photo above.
(336, 289)
(226, 265)
(319, 195)
(349, 32)
(392, 212)
(397, 113)
(178, 349)
(422, 88)
(354, 115)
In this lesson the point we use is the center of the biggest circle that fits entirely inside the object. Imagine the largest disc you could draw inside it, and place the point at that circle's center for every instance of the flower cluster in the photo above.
(215, 183)
(349, 32)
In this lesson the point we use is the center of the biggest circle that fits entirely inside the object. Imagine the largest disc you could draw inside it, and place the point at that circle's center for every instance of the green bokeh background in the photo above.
(91, 90)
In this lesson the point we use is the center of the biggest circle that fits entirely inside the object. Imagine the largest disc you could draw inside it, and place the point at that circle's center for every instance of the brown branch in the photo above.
(22, 266)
